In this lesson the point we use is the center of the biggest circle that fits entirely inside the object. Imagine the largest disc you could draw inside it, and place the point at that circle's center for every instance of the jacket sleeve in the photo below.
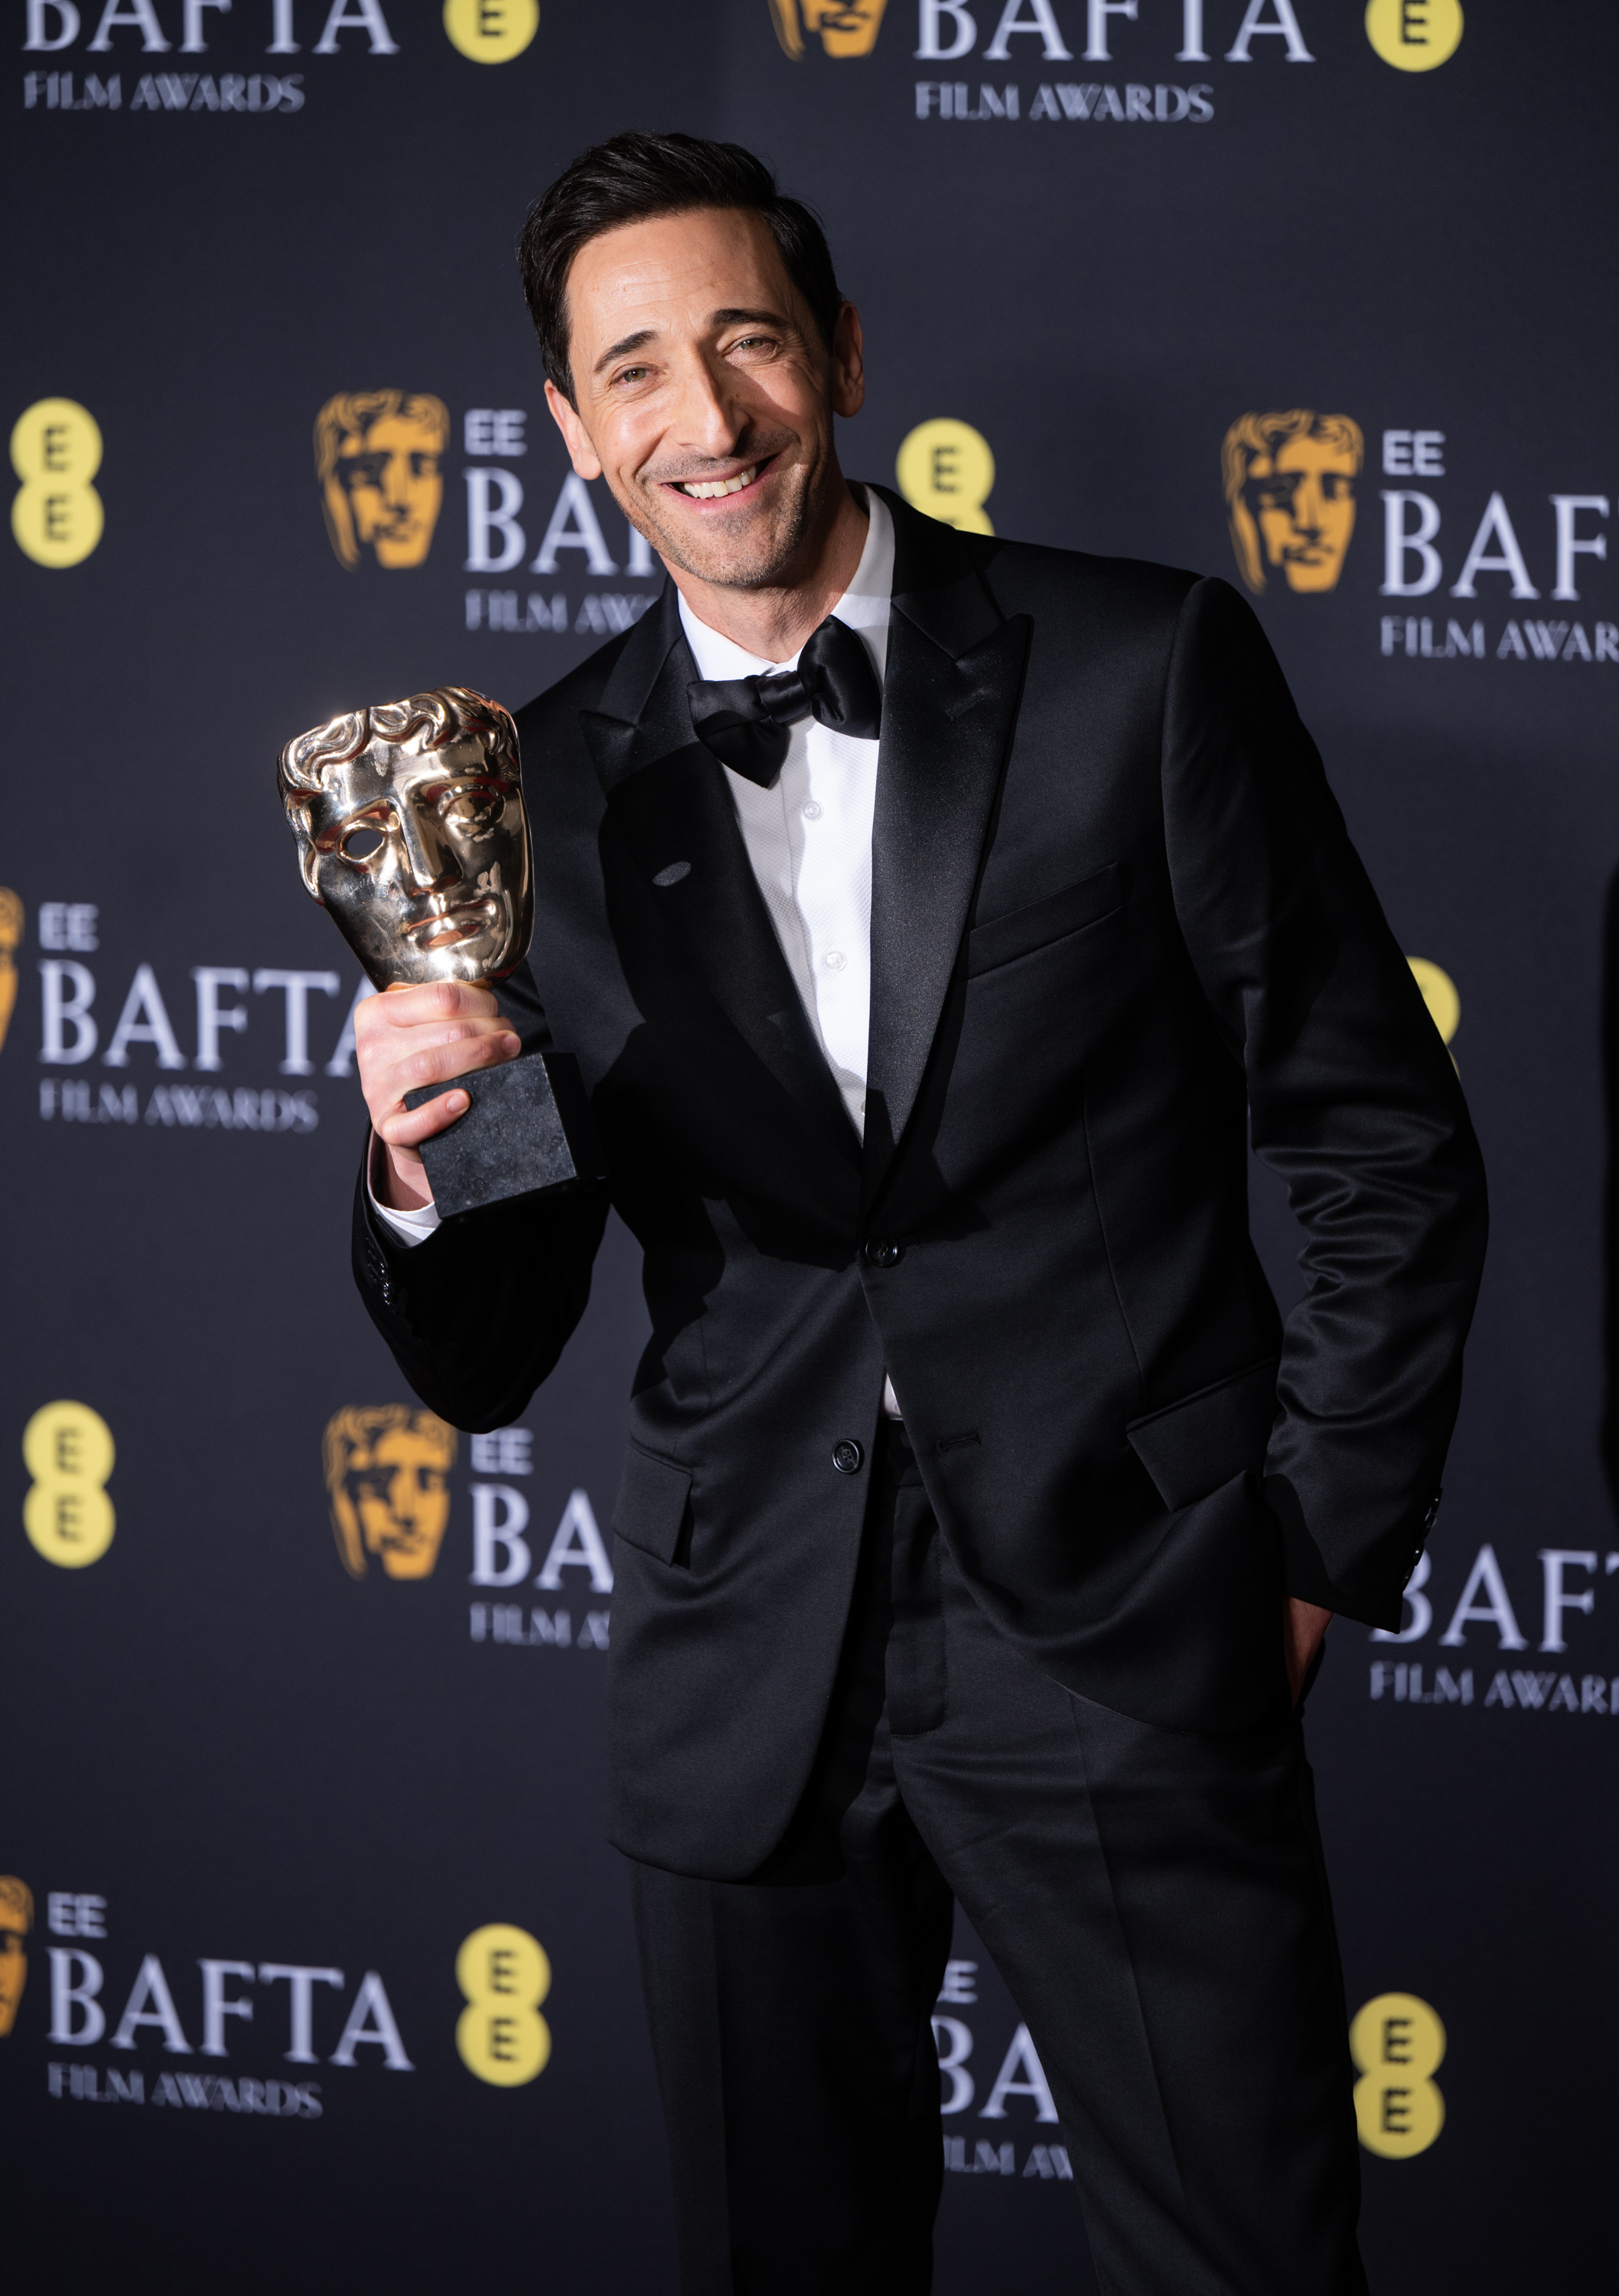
(477, 1316)
(1354, 1101)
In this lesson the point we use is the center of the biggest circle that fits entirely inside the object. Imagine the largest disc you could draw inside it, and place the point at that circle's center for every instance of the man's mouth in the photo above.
(716, 490)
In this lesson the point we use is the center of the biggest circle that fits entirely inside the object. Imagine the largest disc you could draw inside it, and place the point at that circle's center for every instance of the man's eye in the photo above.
(363, 842)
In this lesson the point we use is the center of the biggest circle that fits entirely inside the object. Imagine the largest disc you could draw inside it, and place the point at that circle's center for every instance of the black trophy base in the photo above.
(529, 1128)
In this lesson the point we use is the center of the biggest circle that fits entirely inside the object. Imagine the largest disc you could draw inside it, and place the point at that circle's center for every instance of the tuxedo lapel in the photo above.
(668, 799)
(950, 693)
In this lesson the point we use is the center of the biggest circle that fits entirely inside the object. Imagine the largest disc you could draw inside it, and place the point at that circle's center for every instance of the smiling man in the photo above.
(933, 917)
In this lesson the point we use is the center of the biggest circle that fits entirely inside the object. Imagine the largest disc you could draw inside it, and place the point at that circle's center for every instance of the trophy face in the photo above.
(411, 829)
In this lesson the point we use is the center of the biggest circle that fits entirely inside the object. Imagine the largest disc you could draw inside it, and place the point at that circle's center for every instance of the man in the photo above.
(980, 1522)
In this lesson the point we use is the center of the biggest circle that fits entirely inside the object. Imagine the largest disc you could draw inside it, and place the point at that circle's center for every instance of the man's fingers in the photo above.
(406, 1127)
(431, 1063)
(412, 1125)
(420, 1005)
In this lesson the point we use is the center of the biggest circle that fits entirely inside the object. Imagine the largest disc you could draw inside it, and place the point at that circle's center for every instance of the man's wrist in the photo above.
(397, 1185)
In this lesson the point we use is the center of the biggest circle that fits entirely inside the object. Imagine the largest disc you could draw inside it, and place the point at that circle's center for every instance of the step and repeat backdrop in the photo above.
(315, 1970)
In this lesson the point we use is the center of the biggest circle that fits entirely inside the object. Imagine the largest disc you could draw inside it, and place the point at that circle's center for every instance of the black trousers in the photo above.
(1158, 1909)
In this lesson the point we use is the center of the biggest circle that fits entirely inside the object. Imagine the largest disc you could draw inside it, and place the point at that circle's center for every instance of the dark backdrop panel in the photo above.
(226, 1747)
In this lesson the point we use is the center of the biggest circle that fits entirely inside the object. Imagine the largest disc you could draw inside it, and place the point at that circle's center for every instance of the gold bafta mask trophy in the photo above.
(411, 829)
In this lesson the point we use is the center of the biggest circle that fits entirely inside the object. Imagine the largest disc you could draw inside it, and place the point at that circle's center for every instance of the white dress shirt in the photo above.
(809, 845)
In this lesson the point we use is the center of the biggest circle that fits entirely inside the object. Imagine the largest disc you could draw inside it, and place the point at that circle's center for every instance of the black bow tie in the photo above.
(745, 721)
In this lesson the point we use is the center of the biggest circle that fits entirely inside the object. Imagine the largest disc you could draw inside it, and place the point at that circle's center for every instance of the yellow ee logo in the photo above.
(1414, 35)
(1439, 994)
(56, 450)
(491, 31)
(500, 2035)
(945, 469)
(68, 1449)
(1398, 2045)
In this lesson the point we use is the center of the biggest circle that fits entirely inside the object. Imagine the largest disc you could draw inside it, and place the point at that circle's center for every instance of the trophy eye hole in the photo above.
(362, 843)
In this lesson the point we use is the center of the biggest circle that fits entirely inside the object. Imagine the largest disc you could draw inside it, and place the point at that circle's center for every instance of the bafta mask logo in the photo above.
(16, 1920)
(849, 30)
(11, 933)
(379, 456)
(388, 1476)
(1290, 493)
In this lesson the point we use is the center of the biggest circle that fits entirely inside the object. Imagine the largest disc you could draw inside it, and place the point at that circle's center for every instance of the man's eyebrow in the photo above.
(732, 318)
(729, 317)
(624, 343)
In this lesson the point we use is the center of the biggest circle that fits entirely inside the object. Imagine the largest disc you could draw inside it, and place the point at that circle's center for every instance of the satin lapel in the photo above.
(950, 693)
(669, 799)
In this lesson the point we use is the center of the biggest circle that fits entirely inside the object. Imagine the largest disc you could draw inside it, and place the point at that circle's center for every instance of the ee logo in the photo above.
(946, 469)
(1440, 996)
(68, 1449)
(491, 31)
(56, 450)
(1414, 35)
(500, 2035)
(1398, 2045)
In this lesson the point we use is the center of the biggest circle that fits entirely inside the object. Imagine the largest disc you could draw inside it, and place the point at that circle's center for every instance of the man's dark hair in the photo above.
(636, 175)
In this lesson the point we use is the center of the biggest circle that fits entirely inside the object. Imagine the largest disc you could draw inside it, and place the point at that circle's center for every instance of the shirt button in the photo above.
(847, 1457)
(882, 1252)
(812, 811)
(834, 959)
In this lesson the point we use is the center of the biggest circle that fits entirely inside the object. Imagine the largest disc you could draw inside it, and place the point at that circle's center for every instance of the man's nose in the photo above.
(706, 420)
(430, 860)
(395, 481)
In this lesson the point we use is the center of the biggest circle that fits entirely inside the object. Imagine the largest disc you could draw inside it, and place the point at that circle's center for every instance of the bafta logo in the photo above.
(847, 30)
(16, 1920)
(1290, 493)
(378, 456)
(11, 933)
(386, 1475)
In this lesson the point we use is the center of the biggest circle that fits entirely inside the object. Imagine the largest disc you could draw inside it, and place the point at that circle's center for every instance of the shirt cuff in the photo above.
(410, 1228)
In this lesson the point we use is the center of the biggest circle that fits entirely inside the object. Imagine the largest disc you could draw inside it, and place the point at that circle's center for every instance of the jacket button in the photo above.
(847, 1457)
(882, 1252)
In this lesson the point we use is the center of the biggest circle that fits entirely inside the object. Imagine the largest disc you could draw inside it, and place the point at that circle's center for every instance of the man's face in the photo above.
(421, 855)
(392, 1498)
(392, 478)
(695, 365)
(1303, 502)
(13, 1975)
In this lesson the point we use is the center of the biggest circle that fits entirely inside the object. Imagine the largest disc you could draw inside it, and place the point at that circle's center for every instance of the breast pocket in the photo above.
(1003, 939)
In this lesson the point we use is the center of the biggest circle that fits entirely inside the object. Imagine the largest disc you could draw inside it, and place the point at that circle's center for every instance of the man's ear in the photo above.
(581, 454)
(848, 375)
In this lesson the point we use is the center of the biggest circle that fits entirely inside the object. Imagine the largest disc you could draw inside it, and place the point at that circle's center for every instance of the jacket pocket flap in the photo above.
(1190, 1447)
(652, 1507)
(1002, 939)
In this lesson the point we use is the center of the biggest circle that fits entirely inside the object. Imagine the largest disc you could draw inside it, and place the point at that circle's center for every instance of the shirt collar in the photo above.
(864, 606)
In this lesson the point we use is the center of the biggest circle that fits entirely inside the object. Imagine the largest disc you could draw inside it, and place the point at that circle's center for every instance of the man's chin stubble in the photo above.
(746, 564)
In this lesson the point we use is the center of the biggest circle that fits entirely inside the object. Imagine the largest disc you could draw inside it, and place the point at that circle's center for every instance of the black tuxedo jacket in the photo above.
(1116, 918)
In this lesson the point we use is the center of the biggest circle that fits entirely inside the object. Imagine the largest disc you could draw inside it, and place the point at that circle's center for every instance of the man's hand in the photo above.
(1303, 1630)
(413, 1036)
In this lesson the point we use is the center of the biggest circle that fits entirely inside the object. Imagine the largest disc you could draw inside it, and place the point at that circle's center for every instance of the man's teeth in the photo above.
(706, 489)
